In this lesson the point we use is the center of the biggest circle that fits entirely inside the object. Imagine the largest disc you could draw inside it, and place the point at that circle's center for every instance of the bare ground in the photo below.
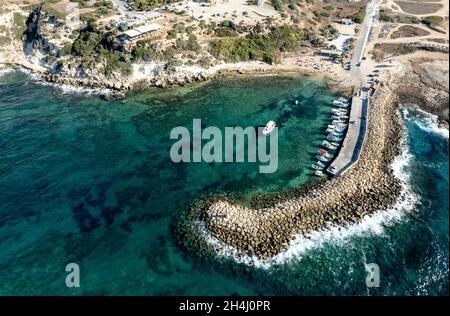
(418, 7)
(409, 31)
(427, 86)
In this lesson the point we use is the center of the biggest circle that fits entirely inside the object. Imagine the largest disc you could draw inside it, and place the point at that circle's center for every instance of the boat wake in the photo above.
(332, 234)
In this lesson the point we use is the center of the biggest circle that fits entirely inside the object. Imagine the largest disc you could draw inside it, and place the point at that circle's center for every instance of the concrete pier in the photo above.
(351, 146)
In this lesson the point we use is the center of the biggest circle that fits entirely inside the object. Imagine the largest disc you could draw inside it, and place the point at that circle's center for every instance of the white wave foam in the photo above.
(332, 234)
(426, 121)
(65, 89)
(4, 72)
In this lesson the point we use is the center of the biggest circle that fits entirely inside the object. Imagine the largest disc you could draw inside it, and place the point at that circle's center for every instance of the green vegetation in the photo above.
(225, 32)
(93, 46)
(178, 28)
(358, 17)
(398, 18)
(148, 4)
(81, 3)
(67, 49)
(257, 46)
(431, 20)
(277, 4)
(191, 44)
(403, 49)
(144, 53)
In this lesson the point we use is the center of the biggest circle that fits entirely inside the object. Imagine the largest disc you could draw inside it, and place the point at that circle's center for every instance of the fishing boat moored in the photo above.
(319, 173)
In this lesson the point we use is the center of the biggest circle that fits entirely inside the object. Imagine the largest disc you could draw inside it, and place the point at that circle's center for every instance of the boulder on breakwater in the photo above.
(366, 187)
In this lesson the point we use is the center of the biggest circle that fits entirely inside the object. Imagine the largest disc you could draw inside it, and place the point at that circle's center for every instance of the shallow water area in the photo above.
(90, 181)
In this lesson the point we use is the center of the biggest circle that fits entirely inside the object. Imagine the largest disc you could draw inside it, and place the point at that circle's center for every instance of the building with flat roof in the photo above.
(131, 37)
(346, 21)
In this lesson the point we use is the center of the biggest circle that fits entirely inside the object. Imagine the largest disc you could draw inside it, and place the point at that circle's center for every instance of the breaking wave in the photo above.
(333, 234)
(65, 89)
(426, 121)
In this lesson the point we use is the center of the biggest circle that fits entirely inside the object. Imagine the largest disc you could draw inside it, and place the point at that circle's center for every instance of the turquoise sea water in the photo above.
(89, 181)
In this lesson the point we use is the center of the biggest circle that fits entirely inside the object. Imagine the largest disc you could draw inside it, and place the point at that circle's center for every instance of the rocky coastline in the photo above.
(264, 232)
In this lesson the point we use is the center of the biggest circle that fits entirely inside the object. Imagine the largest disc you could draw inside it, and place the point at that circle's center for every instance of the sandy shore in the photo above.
(367, 187)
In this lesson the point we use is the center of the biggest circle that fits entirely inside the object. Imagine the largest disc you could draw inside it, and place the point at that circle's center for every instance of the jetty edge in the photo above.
(368, 186)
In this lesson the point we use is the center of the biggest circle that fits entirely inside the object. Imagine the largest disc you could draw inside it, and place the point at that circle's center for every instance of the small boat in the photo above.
(341, 112)
(296, 102)
(322, 158)
(327, 155)
(341, 126)
(314, 166)
(269, 128)
(329, 130)
(323, 151)
(319, 173)
(320, 164)
(328, 145)
(340, 104)
(335, 144)
(333, 138)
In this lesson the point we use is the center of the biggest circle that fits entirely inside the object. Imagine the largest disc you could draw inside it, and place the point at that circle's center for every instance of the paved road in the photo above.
(372, 9)
(120, 4)
(122, 7)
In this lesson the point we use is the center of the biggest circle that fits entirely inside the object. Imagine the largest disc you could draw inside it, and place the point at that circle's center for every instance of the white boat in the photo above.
(319, 173)
(334, 138)
(340, 104)
(316, 167)
(269, 128)
(322, 158)
(328, 145)
(320, 164)
(335, 133)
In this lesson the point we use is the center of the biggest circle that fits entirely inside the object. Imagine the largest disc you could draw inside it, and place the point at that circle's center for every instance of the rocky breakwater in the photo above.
(365, 188)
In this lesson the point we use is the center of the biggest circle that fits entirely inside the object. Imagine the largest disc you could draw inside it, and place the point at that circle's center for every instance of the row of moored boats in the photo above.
(335, 135)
